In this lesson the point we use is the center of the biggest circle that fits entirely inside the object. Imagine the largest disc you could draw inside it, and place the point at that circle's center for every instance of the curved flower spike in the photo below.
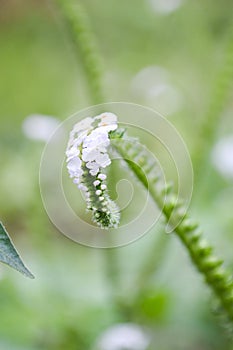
(87, 156)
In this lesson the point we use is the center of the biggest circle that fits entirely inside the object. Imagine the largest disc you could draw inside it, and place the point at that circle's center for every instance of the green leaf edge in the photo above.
(16, 262)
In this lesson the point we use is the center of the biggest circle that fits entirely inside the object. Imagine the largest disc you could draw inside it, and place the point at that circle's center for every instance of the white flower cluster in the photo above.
(86, 157)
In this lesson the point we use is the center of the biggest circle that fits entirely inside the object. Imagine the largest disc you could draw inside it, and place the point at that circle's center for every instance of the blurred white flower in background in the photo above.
(165, 7)
(152, 86)
(39, 127)
(222, 156)
(124, 336)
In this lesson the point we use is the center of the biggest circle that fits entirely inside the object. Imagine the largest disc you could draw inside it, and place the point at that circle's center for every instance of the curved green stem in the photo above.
(79, 28)
(200, 251)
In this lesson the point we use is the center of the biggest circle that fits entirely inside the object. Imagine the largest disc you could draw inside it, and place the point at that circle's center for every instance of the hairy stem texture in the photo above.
(147, 171)
(78, 25)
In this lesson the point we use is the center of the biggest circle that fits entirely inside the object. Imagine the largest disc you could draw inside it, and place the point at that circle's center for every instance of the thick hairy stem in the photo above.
(77, 22)
(200, 251)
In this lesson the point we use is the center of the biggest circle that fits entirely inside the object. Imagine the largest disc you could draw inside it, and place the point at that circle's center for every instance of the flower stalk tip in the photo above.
(87, 158)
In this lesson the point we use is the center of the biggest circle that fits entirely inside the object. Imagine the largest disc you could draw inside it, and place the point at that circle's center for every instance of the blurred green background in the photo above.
(165, 55)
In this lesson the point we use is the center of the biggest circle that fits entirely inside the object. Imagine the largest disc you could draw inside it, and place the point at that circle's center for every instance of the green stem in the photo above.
(79, 29)
(153, 261)
(219, 97)
(112, 275)
(84, 43)
(200, 251)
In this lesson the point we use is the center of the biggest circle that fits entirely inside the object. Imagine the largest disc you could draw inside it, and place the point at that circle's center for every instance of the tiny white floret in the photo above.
(96, 183)
(102, 176)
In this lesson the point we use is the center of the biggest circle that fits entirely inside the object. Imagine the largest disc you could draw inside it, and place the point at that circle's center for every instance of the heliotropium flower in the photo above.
(87, 156)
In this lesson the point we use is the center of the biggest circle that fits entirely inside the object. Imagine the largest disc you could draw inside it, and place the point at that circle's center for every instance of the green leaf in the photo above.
(9, 255)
